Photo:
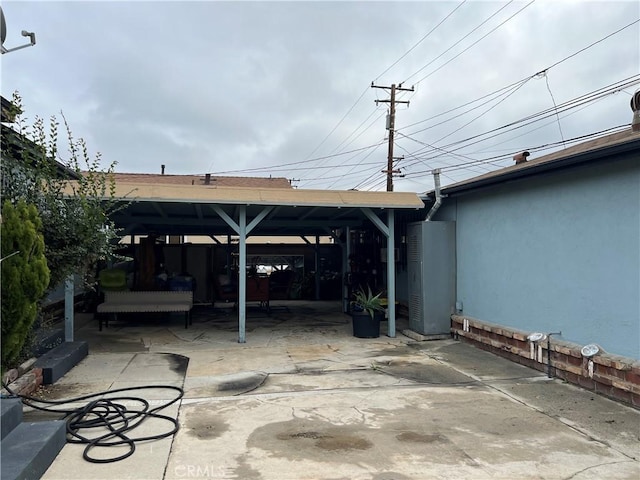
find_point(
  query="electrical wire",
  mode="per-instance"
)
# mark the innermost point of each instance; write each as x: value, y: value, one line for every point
x: 546, y: 79
x: 525, y: 79
x: 547, y: 146
x: 519, y: 84
x: 422, y: 40
x: 367, y: 88
x: 451, y: 110
x: 477, y: 41
x: 299, y: 162
x: 108, y: 414
x: 587, y: 98
x: 458, y: 42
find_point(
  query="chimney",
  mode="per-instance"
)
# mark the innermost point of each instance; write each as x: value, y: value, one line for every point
x: 207, y: 179
x: 161, y: 169
x: 635, y: 106
x: 521, y: 157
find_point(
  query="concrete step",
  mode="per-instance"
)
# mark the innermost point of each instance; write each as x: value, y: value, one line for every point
x: 28, y: 451
x: 60, y: 360
x: 10, y: 416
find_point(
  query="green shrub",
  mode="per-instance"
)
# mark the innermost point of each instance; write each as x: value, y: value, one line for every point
x: 25, y: 275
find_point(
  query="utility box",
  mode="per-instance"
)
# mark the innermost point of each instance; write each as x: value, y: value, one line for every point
x: 431, y: 262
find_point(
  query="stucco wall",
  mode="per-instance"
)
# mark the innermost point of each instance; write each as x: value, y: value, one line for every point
x: 555, y: 253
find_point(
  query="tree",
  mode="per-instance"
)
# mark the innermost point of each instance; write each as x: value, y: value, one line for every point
x: 75, y: 214
x: 25, y: 275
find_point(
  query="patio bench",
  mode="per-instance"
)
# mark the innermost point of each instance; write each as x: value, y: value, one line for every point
x: 146, y: 302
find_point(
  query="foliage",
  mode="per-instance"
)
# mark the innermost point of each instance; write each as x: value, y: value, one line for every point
x: 367, y: 301
x: 25, y: 275
x: 75, y: 214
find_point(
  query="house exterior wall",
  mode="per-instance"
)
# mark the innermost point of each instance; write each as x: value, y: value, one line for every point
x: 558, y: 252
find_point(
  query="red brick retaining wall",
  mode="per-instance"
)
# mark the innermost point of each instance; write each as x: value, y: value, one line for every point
x: 610, y: 375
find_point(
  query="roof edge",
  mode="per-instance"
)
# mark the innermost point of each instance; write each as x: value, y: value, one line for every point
x: 529, y: 170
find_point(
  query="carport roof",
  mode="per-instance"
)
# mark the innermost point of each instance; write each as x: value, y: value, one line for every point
x: 265, y: 196
x: 191, y: 209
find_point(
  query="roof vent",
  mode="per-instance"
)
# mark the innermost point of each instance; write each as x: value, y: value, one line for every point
x: 521, y: 157
x: 635, y: 106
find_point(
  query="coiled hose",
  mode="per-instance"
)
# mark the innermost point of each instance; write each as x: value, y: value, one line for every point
x: 108, y: 413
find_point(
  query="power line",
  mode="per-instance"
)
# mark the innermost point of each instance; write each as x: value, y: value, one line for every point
x: 385, y: 71
x: 356, y: 137
x: 546, y: 79
x: 592, y: 44
x: 269, y: 167
x: 352, y: 168
x: 525, y: 79
x: 528, y: 120
x: 477, y: 41
x: 461, y: 166
x: 422, y: 40
x: 459, y: 41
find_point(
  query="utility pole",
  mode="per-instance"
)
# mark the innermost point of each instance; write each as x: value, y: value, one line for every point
x: 391, y: 126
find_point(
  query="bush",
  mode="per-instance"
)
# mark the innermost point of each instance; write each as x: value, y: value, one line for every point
x: 25, y: 275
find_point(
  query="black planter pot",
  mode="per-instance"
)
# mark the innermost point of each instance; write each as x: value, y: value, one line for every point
x: 366, y: 327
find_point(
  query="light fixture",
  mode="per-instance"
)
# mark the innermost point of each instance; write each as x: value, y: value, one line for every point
x: 536, y: 337
x: 590, y: 350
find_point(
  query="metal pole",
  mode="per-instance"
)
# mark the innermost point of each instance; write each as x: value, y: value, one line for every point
x: 242, y: 274
x: 391, y: 274
x: 68, y: 308
x: 317, y: 256
x: 346, y: 253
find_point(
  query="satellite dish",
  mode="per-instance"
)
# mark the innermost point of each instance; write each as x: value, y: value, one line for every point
x: 536, y: 337
x: 3, y: 26
x: 635, y: 99
x: 590, y: 350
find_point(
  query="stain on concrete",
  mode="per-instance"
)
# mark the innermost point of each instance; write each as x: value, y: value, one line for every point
x: 243, y: 383
x: 244, y: 470
x: 425, y: 373
x: 390, y: 476
x: 400, y: 351
x: 330, y: 440
x: 343, y: 443
x: 419, y: 438
x: 204, y: 424
x: 178, y: 363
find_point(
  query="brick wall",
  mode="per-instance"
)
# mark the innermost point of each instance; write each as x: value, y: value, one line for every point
x: 610, y: 375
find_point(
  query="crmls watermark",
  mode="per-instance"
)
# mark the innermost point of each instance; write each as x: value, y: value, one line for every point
x: 201, y: 471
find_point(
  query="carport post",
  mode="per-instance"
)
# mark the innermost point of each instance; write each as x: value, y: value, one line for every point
x: 242, y: 274
x: 68, y: 308
x: 389, y: 232
x: 346, y: 254
x: 317, y: 278
x: 391, y: 274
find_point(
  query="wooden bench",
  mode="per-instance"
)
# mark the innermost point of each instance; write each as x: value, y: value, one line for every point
x: 146, y: 302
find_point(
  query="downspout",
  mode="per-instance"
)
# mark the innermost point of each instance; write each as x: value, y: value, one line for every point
x: 438, y: 202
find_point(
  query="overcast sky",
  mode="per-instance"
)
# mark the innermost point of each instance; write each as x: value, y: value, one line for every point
x: 283, y: 88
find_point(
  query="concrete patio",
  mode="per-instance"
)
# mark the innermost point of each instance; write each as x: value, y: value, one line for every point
x: 304, y: 399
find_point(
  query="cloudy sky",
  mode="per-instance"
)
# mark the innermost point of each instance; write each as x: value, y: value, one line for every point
x: 283, y: 88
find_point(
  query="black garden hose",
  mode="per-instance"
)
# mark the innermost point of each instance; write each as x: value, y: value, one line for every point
x: 108, y: 413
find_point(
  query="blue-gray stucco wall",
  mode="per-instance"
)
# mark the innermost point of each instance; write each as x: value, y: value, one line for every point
x: 559, y: 252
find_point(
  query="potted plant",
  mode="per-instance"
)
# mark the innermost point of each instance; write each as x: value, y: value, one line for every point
x: 366, y: 313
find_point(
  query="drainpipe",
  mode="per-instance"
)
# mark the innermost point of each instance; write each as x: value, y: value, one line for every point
x: 436, y: 205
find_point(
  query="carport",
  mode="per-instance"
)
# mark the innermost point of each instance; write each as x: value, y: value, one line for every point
x: 213, y: 211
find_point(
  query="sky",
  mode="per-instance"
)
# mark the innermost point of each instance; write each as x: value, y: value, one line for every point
x: 283, y: 89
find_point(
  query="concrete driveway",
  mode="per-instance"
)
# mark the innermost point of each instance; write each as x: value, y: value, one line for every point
x: 304, y: 399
